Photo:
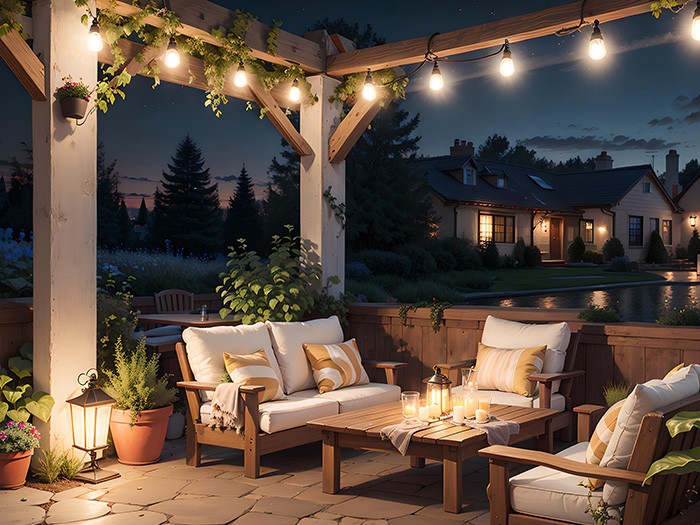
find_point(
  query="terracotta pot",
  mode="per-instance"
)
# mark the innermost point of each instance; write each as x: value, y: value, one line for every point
x: 73, y: 107
x: 142, y: 443
x: 176, y: 426
x: 13, y: 469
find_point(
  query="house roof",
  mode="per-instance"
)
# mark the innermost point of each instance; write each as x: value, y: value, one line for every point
x: 685, y: 189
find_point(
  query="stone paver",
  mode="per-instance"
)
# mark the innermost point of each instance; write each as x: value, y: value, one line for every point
x: 287, y: 507
x: 145, y: 491
x: 317, y: 495
x: 419, y: 520
x: 71, y: 493
x: 305, y: 479
x: 22, y: 515
x: 203, y: 511
x: 24, y: 496
x: 256, y: 518
x: 119, y: 508
x: 218, y: 487
x: 317, y: 521
x: 69, y: 510
x: 279, y: 489
x: 374, y: 508
x: 128, y: 518
x: 184, y: 472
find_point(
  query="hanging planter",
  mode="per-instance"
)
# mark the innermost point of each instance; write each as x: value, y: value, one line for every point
x: 73, y: 98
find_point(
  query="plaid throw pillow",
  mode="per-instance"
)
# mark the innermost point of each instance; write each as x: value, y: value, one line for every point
x: 254, y: 370
x: 336, y: 366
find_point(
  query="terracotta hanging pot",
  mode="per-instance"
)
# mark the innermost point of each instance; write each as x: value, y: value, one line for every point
x: 73, y: 107
x: 142, y: 443
x: 14, y: 467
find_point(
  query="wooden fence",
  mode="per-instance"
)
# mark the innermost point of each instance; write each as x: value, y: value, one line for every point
x: 15, y: 328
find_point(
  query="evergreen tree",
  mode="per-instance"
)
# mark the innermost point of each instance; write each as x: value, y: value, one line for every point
x: 281, y: 203
x: 243, y: 215
x: 186, y: 212
x: 125, y: 234
x: 687, y: 174
x: 142, y: 217
x: 108, y: 199
x: 694, y: 246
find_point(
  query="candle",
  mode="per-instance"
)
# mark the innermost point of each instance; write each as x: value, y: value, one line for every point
x: 470, y: 406
x: 458, y: 413
x: 484, y: 403
x: 424, y: 413
x: 435, y: 411
x: 482, y: 415
x: 409, y: 411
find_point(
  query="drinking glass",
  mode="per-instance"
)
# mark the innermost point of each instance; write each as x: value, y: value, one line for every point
x: 409, y: 404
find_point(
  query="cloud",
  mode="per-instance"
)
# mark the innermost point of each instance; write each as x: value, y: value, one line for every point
x: 679, y: 101
x: 590, y: 142
x: 229, y: 178
x: 592, y: 128
x: 137, y: 195
x: 693, y: 118
x: 140, y: 179
x: 664, y: 121
x: 682, y: 102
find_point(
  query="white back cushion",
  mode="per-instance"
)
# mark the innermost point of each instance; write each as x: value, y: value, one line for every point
x: 649, y: 397
x: 206, y: 347
x: 500, y: 333
x: 288, y: 343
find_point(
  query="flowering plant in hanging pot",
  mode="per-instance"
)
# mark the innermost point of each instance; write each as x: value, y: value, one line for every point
x: 73, y: 97
x: 18, y: 439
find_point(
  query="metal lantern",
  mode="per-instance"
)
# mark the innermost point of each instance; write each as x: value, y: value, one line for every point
x: 438, y: 394
x: 90, y: 413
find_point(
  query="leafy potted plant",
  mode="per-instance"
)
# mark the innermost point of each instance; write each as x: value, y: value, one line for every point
x: 18, y: 439
x: 143, y: 405
x: 73, y: 97
x: 18, y: 400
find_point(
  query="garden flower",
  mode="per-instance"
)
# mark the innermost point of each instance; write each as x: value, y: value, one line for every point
x: 10, y: 424
x: 2, y: 436
x: 20, y: 425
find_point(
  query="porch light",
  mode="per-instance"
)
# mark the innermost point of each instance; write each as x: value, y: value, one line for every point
x: 507, y: 65
x: 369, y: 92
x: 596, y: 48
x: 294, y: 91
x: 693, y: 220
x: 172, y: 55
x: 94, y: 41
x: 695, y: 31
x: 90, y: 413
x: 436, y: 81
x: 438, y: 395
x: 241, y: 78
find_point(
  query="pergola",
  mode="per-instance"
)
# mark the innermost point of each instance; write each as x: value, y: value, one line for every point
x: 65, y: 154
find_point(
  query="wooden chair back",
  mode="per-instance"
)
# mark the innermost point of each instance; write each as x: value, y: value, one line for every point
x: 174, y: 300
x: 569, y: 363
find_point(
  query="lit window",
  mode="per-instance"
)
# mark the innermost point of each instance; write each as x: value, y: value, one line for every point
x: 646, y: 187
x: 468, y: 176
x: 501, y: 183
x: 667, y: 232
x: 586, y: 230
x: 636, y: 237
x: 496, y: 228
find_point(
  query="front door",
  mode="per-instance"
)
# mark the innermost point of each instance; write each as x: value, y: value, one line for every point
x: 555, y: 239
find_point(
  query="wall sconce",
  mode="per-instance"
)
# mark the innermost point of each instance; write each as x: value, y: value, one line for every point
x: 693, y: 220
x: 90, y: 413
x: 602, y: 229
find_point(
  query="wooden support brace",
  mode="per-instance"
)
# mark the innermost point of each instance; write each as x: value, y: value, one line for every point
x: 22, y: 61
x: 137, y: 62
x: 352, y: 127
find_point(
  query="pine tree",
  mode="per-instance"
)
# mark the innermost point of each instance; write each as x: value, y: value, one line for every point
x: 281, y: 203
x: 125, y: 233
x: 243, y: 215
x: 108, y: 198
x: 142, y: 217
x: 186, y: 212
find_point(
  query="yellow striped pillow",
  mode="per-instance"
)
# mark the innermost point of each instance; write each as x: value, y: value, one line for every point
x: 600, y: 439
x: 674, y: 370
x: 254, y: 370
x: 336, y: 366
x: 507, y: 370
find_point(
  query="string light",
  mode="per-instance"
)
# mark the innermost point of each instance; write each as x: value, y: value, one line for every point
x: 369, y: 91
x: 695, y: 31
x: 240, y: 78
x: 94, y: 41
x: 436, y: 81
x: 507, y: 65
x: 294, y: 91
x: 172, y: 55
x: 596, y: 48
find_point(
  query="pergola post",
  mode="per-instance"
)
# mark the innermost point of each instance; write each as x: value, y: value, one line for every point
x: 64, y: 218
x: 319, y: 224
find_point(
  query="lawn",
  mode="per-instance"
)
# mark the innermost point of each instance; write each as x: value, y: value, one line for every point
x: 545, y: 278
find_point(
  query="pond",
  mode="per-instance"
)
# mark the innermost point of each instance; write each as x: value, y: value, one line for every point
x: 635, y: 303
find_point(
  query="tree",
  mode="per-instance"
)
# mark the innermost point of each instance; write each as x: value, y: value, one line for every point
x: 281, y: 203
x: 656, y: 251
x: 576, y: 250
x: 497, y: 147
x: 186, y: 213
x: 243, y: 215
x: 687, y: 174
x: 575, y: 164
x: 108, y: 199
x: 18, y: 210
x: 142, y: 217
x: 125, y: 232
x: 494, y: 147
x: 694, y: 247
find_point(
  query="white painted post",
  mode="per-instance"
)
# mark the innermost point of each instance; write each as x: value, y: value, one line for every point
x: 318, y: 222
x: 64, y: 218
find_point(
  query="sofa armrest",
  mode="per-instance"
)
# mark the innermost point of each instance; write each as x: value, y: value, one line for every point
x: 588, y: 417
x: 390, y: 368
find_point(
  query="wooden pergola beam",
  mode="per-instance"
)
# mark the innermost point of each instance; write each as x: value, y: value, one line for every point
x: 134, y: 66
x: 199, y: 17
x: 515, y: 29
x: 352, y: 127
x: 22, y: 61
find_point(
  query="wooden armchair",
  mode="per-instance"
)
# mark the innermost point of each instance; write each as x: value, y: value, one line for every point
x: 660, y: 501
x: 174, y: 300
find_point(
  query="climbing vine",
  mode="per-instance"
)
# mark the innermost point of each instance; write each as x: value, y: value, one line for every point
x: 337, y: 209
x: 9, y: 9
x: 437, y: 311
x: 674, y: 5
x: 352, y: 84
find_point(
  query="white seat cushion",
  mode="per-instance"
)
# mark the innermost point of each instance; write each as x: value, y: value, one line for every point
x: 292, y: 412
x: 206, y: 347
x: 548, y: 493
x: 288, y: 343
x: 509, y: 398
x: 500, y: 333
x: 358, y: 396
x: 159, y: 331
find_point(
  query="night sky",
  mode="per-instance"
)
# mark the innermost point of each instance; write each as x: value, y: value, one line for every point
x: 641, y: 100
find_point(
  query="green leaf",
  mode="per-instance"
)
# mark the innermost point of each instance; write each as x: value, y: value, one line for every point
x: 676, y: 462
x: 683, y: 422
x: 27, y: 351
x: 4, y: 407
x: 40, y: 405
x: 14, y: 395
x: 20, y: 414
x: 20, y: 367
x: 4, y: 380
x: 224, y: 312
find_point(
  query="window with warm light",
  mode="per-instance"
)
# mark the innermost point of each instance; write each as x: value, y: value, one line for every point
x: 667, y: 232
x: 636, y: 236
x: 497, y: 228
x: 586, y: 230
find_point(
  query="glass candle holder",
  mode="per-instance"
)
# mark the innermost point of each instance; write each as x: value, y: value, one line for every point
x: 410, y: 404
x: 483, y: 412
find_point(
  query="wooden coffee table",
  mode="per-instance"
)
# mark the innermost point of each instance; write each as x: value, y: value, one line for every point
x: 440, y: 441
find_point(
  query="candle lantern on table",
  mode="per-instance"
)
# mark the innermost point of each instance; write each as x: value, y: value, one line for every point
x: 438, y: 394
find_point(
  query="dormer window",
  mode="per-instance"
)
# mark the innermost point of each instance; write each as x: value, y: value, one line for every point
x: 469, y: 176
x: 501, y: 182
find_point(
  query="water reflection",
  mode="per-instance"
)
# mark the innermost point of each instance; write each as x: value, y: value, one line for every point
x: 635, y: 303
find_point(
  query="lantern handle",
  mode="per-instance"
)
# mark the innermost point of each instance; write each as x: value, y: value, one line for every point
x: 88, y: 377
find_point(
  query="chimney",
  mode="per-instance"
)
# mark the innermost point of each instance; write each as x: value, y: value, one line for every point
x: 603, y: 161
x: 671, y: 180
x: 462, y: 148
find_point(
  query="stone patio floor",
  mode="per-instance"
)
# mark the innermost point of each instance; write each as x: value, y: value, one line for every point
x: 377, y: 489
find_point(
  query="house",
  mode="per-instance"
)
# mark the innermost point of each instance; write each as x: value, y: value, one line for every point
x: 486, y: 200
x: 689, y: 201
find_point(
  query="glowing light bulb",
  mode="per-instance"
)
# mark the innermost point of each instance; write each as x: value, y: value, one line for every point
x: 695, y: 30
x: 172, y: 55
x: 240, y: 78
x: 507, y: 64
x: 596, y: 48
x: 436, y: 81
x: 294, y: 91
x: 369, y: 92
x: 94, y: 41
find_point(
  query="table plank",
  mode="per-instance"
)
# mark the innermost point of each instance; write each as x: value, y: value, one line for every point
x: 186, y: 319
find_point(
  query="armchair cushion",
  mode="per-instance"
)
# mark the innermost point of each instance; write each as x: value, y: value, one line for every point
x: 507, y: 370
x: 288, y: 340
x: 510, y: 334
x: 206, y: 347
x: 254, y: 369
x: 601, y: 438
x: 336, y: 366
x: 358, y: 396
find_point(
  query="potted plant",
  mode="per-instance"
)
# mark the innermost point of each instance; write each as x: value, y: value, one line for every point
x: 18, y: 439
x: 143, y: 405
x: 73, y: 97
